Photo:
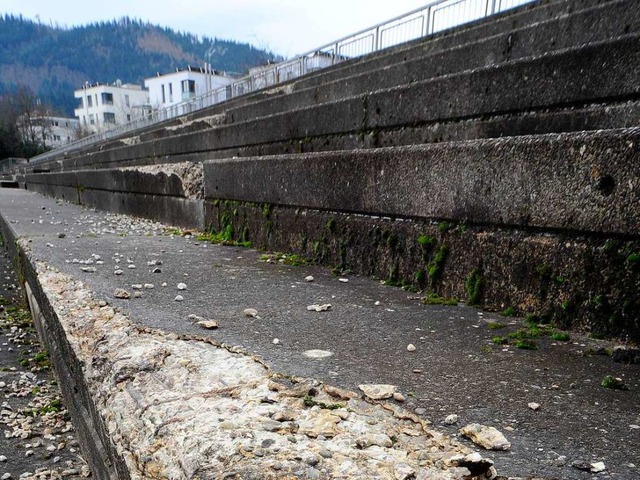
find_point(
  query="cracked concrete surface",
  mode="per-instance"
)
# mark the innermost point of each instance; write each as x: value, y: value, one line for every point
x: 183, y: 407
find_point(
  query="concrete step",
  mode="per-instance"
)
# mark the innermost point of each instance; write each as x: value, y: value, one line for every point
x: 601, y: 22
x: 528, y: 86
x: 530, y: 32
x: 597, y: 24
x: 571, y: 182
x: 503, y: 25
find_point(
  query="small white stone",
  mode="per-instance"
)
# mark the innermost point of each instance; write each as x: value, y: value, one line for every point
x: 378, y: 391
x: 132, y: 266
x: 411, y: 347
x: 451, y: 419
x: 208, y: 324
x: 319, y: 308
x: 250, y: 312
x: 377, y: 303
x: 28, y: 453
x: 309, y: 278
x: 149, y: 286
x: 137, y: 286
x: 3, y: 458
x: 182, y: 286
x: 137, y: 294
x: 598, y: 467
x: 533, y: 406
x: 317, y: 353
x: 179, y: 298
x: 164, y: 284
x: 118, y: 272
x: 6, y: 476
x: 398, y: 397
x: 276, y: 341
x: 343, y: 280
x: 121, y: 293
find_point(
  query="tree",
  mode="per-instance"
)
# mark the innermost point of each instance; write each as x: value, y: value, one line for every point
x: 23, y: 125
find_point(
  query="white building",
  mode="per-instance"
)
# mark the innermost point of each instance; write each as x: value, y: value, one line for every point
x: 169, y: 89
x: 104, y: 106
x: 56, y: 131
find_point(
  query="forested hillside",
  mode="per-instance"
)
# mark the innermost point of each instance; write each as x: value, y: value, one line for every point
x: 54, y: 61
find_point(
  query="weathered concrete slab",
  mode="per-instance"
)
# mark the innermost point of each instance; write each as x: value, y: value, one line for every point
x: 584, y: 181
x: 528, y: 85
x: 605, y: 22
x: 170, y: 193
x: 153, y: 375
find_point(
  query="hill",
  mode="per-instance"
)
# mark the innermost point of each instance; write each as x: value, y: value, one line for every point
x: 54, y: 61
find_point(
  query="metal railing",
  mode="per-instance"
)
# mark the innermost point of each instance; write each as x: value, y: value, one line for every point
x: 434, y: 17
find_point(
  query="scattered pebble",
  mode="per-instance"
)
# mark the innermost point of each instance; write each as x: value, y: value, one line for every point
x: 250, y: 312
x: 317, y: 353
x: 182, y: 286
x: 208, y: 324
x: 398, y: 397
x: 179, y: 298
x: 137, y: 294
x: 319, y: 308
x: 276, y: 341
x: 377, y: 303
x: 343, y: 280
x: 309, y: 278
x: 121, y: 293
x: 149, y: 286
x: 378, y: 391
x: 118, y: 272
x: 487, y: 437
x: 597, y: 467
x: 411, y: 347
x: 451, y: 419
x: 137, y: 286
x: 534, y: 406
x: 131, y: 266
x: 89, y: 269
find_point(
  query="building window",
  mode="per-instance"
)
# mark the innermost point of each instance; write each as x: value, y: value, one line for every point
x: 89, y: 101
x: 171, y: 92
x: 92, y: 119
x: 188, y: 86
x: 128, y: 117
x: 126, y: 100
x: 109, y: 117
x: 81, y: 103
x: 107, y: 98
x: 188, y: 89
x: 164, y: 98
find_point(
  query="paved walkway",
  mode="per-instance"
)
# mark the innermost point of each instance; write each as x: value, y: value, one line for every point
x: 454, y: 369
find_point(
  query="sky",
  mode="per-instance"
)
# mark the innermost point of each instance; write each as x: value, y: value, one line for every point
x: 286, y: 27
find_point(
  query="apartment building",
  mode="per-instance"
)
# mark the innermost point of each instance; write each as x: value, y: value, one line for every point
x: 102, y: 106
x: 170, y: 89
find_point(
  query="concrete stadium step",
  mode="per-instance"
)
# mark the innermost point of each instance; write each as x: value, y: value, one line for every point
x: 544, y: 181
x: 520, y: 19
x: 503, y: 47
x: 598, y: 23
x: 155, y: 395
x: 606, y: 72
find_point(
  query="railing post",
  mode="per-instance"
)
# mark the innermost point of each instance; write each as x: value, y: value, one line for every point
x: 377, y: 40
